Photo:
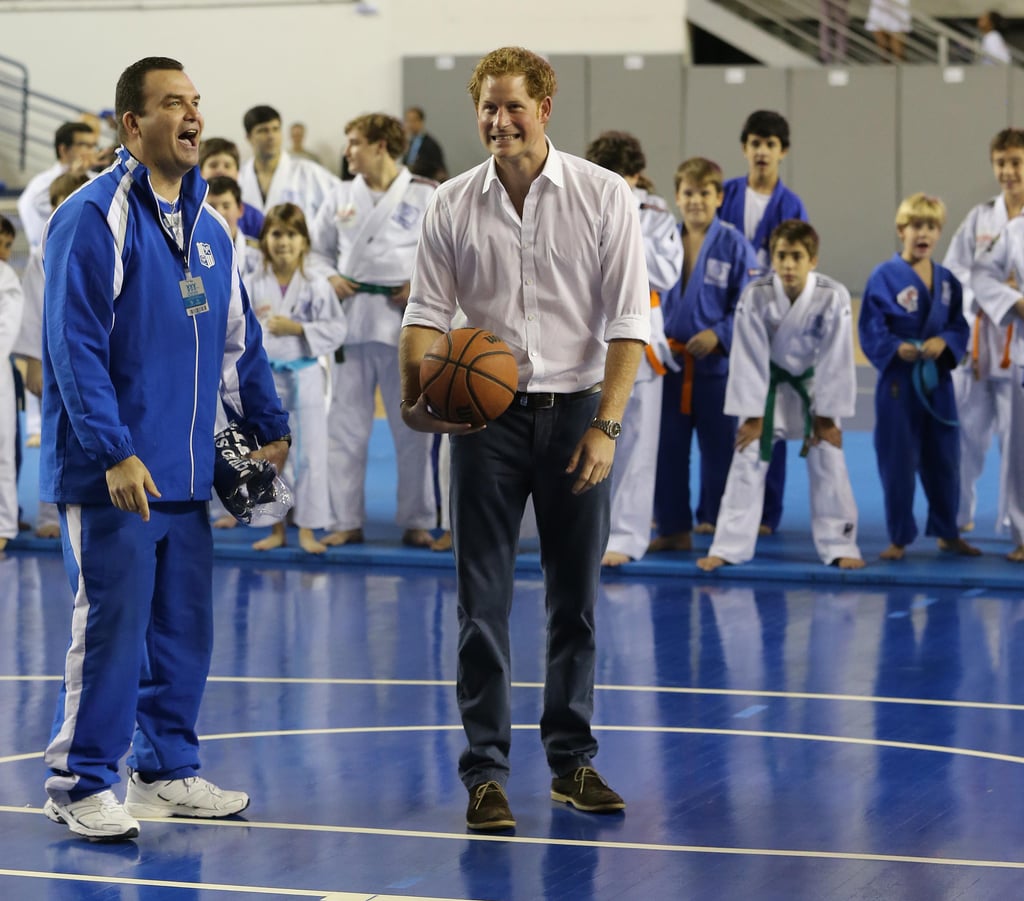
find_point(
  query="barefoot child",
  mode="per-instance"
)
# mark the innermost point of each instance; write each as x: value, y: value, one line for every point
x: 913, y: 331
x: 302, y: 320
x: 698, y: 312
x: 791, y: 375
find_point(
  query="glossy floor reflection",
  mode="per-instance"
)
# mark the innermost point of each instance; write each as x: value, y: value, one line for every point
x: 784, y: 742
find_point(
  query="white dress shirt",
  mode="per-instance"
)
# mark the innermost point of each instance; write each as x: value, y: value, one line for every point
x: 556, y: 285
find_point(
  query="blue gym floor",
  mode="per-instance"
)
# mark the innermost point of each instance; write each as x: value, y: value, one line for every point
x: 779, y: 730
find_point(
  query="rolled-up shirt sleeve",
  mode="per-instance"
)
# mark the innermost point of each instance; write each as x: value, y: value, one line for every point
x: 433, y: 289
x: 625, y: 289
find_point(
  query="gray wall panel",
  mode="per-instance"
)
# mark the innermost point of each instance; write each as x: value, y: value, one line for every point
x: 438, y: 84
x: 715, y: 109
x: 944, y: 133
x: 568, y: 127
x: 642, y: 95
x: 1015, y: 111
x: 842, y: 164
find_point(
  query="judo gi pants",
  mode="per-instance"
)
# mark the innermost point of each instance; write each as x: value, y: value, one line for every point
x: 833, y: 509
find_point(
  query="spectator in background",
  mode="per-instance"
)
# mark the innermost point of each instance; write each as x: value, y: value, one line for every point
x: 993, y: 46
x: 107, y: 138
x: 274, y: 176
x: 424, y: 156
x: 75, y: 144
x: 889, y: 23
x: 832, y: 25
x: 297, y: 133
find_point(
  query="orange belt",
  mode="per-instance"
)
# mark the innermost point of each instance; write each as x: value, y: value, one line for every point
x: 686, y: 396
x: 1004, y: 363
x: 652, y: 357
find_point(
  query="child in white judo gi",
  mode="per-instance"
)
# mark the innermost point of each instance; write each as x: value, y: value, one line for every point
x: 10, y: 321
x: 791, y: 375
x: 28, y: 347
x: 302, y: 321
x: 986, y: 379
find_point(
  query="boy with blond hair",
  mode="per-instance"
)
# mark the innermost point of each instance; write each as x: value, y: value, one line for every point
x: 791, y: 375
x: 913, y: 331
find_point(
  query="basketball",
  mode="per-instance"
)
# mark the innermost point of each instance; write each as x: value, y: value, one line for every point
x: 469, y: 375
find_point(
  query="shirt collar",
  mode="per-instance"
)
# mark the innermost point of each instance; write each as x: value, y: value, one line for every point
x: 553, y: 170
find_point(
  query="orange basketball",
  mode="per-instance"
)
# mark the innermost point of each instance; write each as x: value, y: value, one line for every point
x: 469, y: 375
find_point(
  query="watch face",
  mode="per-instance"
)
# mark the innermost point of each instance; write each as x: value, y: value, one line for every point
x: 614, y: 429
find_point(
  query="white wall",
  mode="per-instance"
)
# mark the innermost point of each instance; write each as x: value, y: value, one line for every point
x: 322, y: 64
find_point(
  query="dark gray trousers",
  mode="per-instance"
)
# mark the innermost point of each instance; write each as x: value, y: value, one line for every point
x: 525, y: 453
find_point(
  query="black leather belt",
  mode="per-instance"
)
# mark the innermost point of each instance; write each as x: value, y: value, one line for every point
x: 542, y: 400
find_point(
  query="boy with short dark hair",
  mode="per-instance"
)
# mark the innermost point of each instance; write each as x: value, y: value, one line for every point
x: 7, y: 234
x: 756, y: 204
x: 698, y: 311
x: 219, y: 157
x: 913, y: 331
x: 791, y: 375
x: 987, y: 378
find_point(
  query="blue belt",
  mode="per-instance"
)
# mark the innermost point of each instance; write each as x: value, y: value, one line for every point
x: 292, y: 365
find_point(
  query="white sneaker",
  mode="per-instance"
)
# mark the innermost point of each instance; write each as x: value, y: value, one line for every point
x: 189, y: 797
x: 100, y: 817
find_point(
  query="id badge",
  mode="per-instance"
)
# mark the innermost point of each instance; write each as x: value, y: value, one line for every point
x: 194, y: 295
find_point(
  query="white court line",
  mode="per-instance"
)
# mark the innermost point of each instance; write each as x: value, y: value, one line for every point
x: 323, y: 895
x: 642, y: 689
x: 603, y: 727
x: 559, y: 842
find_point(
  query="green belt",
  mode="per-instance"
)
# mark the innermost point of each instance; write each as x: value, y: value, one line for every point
x: 780, y: 376
x: 367, y: 288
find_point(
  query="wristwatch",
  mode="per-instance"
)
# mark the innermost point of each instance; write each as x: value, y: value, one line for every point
x: 287, y: 439
x: 611, y: 427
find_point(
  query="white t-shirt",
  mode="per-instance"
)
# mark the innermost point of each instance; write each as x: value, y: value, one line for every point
x: 754, y: 206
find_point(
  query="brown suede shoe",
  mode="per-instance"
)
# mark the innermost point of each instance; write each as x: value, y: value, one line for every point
x: 488, y: 808
x: 585, y: 790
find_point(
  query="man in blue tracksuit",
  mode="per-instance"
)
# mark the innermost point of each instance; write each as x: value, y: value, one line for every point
x: 145, y: 324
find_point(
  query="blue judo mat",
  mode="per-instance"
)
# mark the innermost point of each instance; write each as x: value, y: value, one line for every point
x: 785, y: 556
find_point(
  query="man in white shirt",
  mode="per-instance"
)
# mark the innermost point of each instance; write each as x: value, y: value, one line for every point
x: 545, y: 250
x: 75, y: 145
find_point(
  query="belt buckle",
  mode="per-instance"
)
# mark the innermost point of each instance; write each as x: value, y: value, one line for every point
x: 543, y: 400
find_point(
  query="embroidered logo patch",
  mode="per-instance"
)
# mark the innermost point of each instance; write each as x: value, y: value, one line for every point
x: 406, y: 216
x: 716, y: 273
x: 205, y: 255
x: 907, y: 298
x: 817, y: 327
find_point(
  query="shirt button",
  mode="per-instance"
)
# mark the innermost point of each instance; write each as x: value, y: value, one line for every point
x: 531, y: 317
x: 529, y: 281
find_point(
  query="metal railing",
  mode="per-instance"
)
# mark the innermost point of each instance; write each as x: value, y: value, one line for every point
x: 928, y: 41
x: 28, y: 118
